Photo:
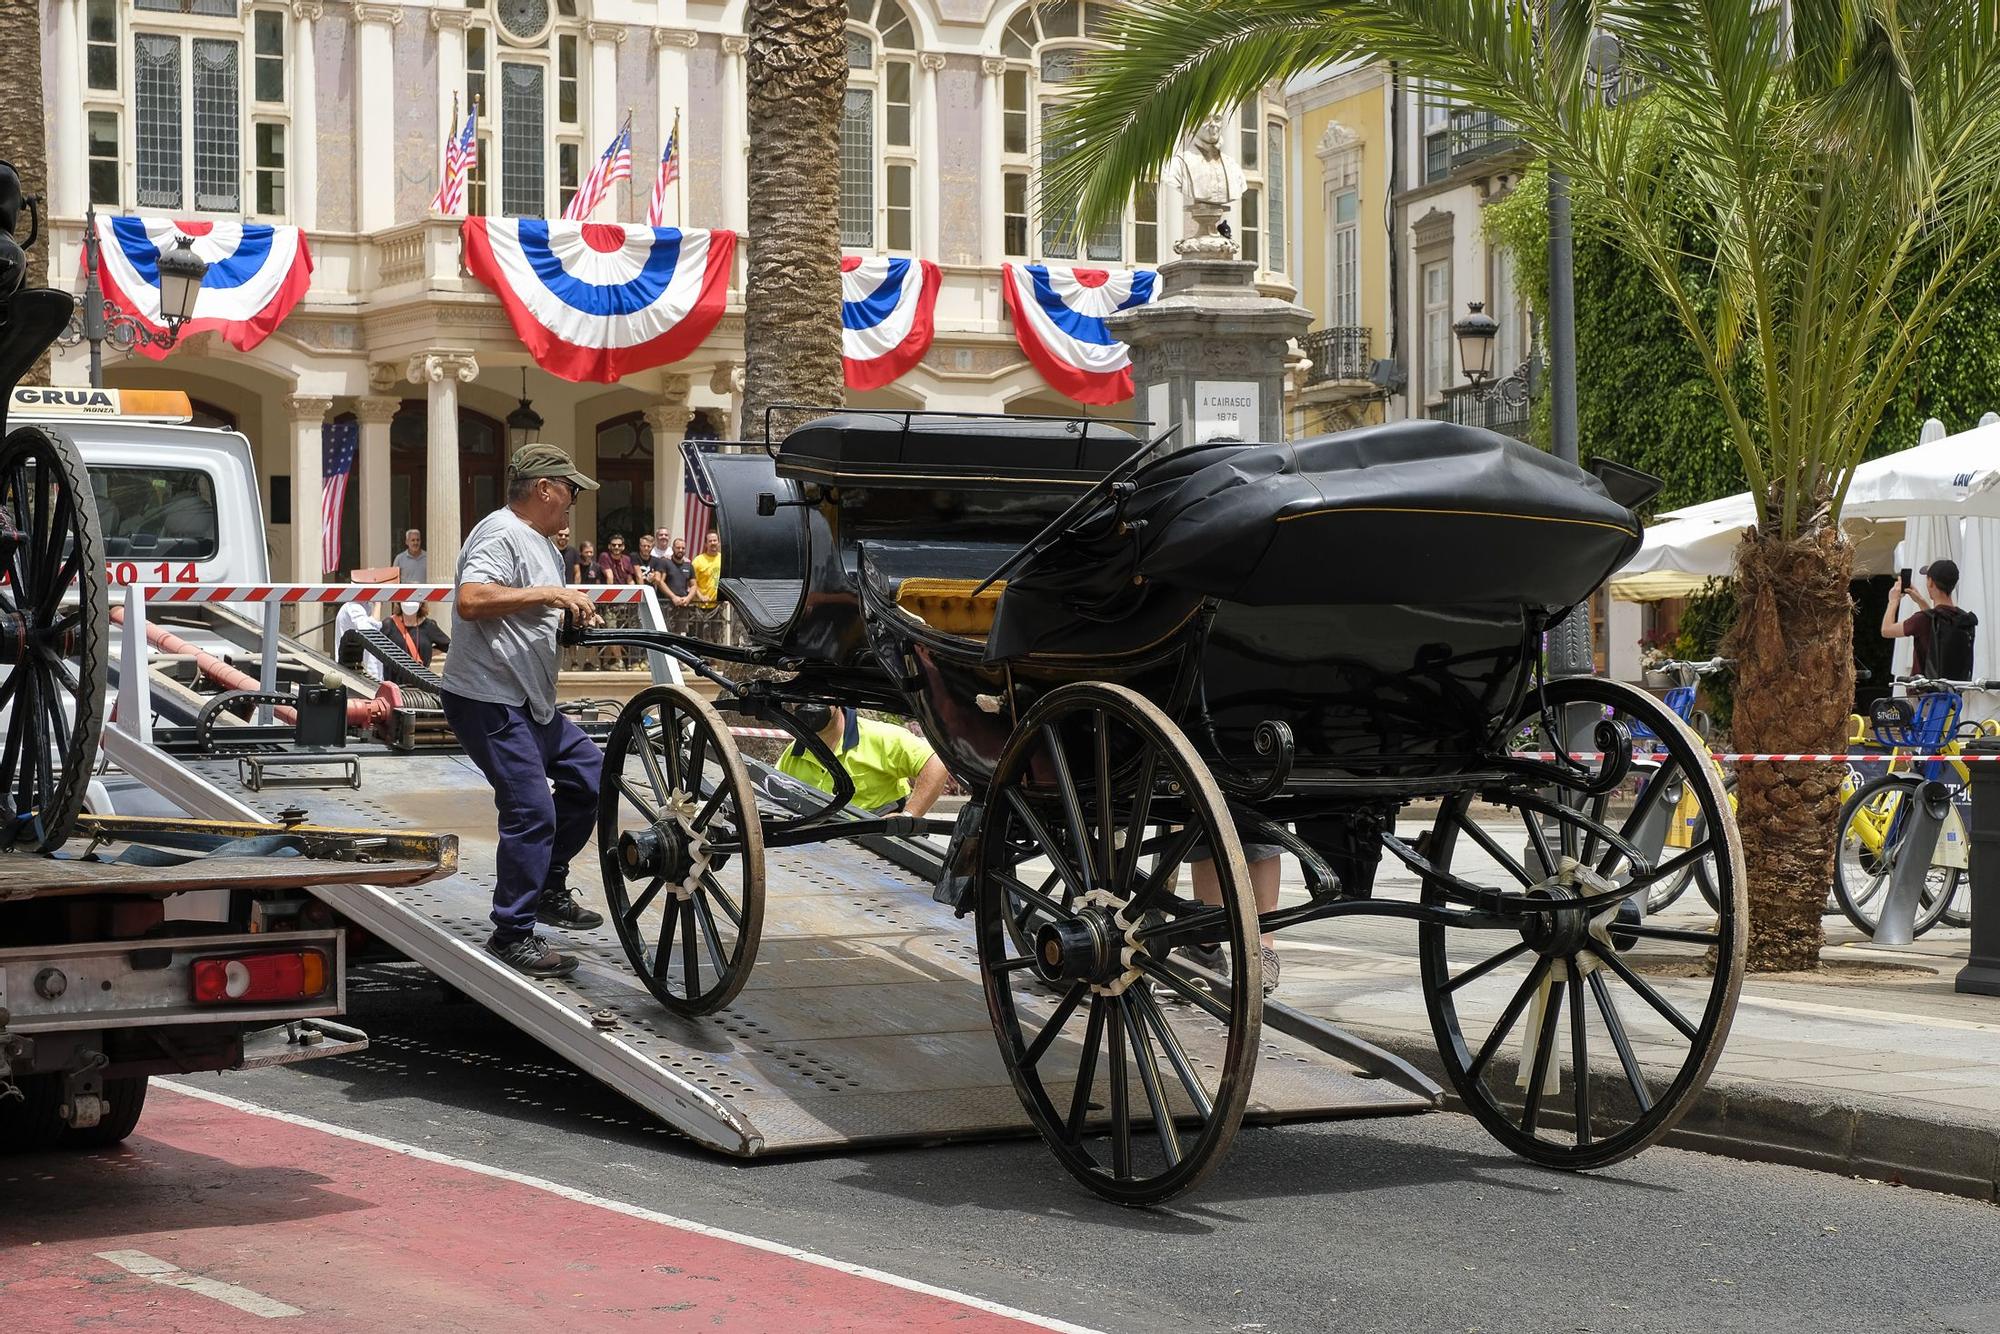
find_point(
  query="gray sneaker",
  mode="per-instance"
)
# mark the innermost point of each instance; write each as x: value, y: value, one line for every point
x: 1269, y: 956
x: 562, y: 908
x: 530, y: 955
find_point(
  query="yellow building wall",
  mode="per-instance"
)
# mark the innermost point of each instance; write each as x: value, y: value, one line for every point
x: 1365, y: 113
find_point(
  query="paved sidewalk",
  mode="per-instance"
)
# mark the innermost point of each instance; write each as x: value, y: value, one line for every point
x: 1874, y: 1068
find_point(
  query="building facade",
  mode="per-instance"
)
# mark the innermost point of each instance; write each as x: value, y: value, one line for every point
x: 331, y: 115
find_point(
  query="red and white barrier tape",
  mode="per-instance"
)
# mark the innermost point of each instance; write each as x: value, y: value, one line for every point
x: 777, y: 733
x: 1731, y: 757
x: 335, y: 593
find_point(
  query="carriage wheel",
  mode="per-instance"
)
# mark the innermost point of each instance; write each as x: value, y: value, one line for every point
x: 1575, y: 1038
x: 52, y: 648
x: 1137, y: 1067
x: 682, y: 850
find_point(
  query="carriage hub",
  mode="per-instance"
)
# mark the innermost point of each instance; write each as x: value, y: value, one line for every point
x: 1084, y: 948
x: 644, y: 854
x: 1564, y: 930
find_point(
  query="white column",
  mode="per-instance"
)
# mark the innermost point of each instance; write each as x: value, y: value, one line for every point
x: 670, y: 77
x: 735, y: 138
x: 441, y: 373
x: 929, y: 164
x: 450, y: 25
x: 308, y: 416
x: 68, y: 166
x: 301, y: 142
x: 605, y: 113
x: 992, y: 224
x: 378, y: 543
x: 669, y: 419
x: 374, y: 126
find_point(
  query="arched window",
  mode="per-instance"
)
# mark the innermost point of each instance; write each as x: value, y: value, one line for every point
x: 878, y: 129
x: 524, y: 68
x: 1045, y: 47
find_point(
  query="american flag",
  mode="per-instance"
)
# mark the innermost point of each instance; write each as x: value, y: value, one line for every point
x: 663, y: 179
x: 458, y: 156
x: 615, y: 165
x: 698, y: 512
x: 338, y: 444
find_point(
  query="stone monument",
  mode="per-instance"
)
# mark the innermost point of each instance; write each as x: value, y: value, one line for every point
x: 1210, y: 352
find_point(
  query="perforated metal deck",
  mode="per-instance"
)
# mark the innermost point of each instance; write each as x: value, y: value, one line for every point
x: 863, y: 1021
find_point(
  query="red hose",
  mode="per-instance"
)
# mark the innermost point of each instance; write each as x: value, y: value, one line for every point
x: 362, y: 713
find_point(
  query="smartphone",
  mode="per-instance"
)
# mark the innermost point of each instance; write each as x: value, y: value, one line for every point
x: 1904, y: 575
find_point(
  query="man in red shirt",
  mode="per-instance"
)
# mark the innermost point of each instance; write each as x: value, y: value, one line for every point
x: 617, y: 566
x: 1941, y: 631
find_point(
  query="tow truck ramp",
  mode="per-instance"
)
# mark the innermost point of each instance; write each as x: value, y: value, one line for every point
x: 863, y: 1021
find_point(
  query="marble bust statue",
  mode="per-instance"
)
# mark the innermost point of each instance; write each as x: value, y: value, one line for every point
x: 1210, y: 183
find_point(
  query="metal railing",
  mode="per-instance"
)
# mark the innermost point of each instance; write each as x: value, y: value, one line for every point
x: 1466, y: 406
x: 1478, y: 134
x: 1342, y: 353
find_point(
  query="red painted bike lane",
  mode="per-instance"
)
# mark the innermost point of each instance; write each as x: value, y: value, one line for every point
x: 212, y: 1217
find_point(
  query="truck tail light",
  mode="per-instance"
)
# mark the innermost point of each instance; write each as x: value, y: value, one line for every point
x: 286, y: 975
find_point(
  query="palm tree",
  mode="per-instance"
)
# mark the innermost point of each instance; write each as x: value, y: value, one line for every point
x: 797, y: 80
x: 1822, y: 152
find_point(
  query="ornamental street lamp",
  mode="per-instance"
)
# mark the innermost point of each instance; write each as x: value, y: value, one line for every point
x: 1476, y: 334
x: 524, y: 424
x: 97, y: 321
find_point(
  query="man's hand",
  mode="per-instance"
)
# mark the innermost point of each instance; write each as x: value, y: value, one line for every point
x: 574, y: 604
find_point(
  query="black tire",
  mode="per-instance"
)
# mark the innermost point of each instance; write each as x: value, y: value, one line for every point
x: 124, y: 1099
x: 1861, y: 875
x: 1704, y: 870
x: 53, y: 690
x: 676, y: 793
x: 1480, y: 980
x: 33, y: 1121
x: 1090, y: 763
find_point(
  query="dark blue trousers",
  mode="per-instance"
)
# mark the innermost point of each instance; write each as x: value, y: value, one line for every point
x: 540, y: 829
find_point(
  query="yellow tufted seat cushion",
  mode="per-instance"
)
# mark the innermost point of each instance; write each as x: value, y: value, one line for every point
x: 947, y: 605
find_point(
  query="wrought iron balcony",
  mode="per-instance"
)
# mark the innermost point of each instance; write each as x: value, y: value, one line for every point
x: 1339, y: 355
x: 1479, y: 134
x: 1506, y: 413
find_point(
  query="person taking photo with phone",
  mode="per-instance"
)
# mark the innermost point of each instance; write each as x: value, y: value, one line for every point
x: 1941, y: 631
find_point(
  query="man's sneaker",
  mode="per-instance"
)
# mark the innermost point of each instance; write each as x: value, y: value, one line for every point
x: 530, y: 955
x: 1271, y: 968
x: 1209, y: 958
x: 560, y: 908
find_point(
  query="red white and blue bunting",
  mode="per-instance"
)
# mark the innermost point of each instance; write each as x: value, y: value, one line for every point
x: 598, y: 300
x: 1059, y: 317
x: 888, y: 311
x: 256, y: 274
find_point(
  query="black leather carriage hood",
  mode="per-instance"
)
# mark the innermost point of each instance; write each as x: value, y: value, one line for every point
x: 1416, y: 512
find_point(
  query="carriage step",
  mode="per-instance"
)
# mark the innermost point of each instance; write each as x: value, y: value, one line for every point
x: 863, y: 1023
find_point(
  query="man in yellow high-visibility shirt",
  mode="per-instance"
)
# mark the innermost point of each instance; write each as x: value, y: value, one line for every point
x: 893, y: 769
x: 708, y: 571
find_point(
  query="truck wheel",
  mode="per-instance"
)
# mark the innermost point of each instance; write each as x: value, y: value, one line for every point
x: 32, y: 1121
x: 124, y: 1099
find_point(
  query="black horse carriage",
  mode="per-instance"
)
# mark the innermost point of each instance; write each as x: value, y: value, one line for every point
x: 1136, y: 668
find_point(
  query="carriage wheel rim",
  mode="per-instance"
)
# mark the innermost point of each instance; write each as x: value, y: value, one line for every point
x: 668, y: 808
x: 1116, y: 1012
x: 1516, y: 1071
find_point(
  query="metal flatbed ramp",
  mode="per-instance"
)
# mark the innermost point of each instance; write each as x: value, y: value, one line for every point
x: 863, y: 1021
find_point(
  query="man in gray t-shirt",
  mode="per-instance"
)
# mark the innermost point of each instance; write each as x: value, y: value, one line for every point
x: 413, y: 563
x: 500, y: 699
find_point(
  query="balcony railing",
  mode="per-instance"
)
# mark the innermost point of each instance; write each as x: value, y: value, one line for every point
x: 1506, y: 413
x: 1338, y: 354
x: 1479, y: 134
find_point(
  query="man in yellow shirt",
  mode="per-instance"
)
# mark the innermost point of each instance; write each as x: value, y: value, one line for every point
x: 892, y: 768
x: 708, y: 570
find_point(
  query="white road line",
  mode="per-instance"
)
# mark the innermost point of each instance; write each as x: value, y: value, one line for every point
x: 230, y: 1294
x: 631, y: 1210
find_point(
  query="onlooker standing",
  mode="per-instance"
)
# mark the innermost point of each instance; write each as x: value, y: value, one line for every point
x: 1941, y: 632
x: 584, y: 569
x: 413, y: 629
x: 673, y: 578
x: 616, y: 565
x: 413, y: 563
x: 707, y: 579
x: 568, y: 550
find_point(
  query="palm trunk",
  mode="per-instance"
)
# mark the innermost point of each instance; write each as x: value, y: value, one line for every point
x: 1794, y: 648
x: 24, y: 133
x: 791, y: 330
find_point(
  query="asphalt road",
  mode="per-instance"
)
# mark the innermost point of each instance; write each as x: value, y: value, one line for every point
x: 1410, y: 1224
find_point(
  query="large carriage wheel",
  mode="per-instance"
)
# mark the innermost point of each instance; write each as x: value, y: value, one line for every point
x: 1578, y: 1039
x: 682, y: 849
x: 1137, y: 1065
x: 52, y: 647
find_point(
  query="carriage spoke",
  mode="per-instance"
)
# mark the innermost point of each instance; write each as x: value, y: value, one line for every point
x: 663, y: 955
x: 1579, y: 1041
x: 1072, y: 805
x: 1540, y: 838
x: 649, y: 759
x: 1493, y: 849
x: 1142, y: 806
x: 1647, y: 994
x: 1479, y: 970
x: 721, y: 896
x: 1545, y: 1045
x: 1197, y: 1093
x: 1040, y: 833
x: 644, y: 901
x: 1598, y: 805
x: 1647, y: 931
x: 1053, y: 1029
x: 1149, y: 1078
x: 1620, y: 1042
x: 1121, y: 1094
x: 1107, y: 818
x: 1034, y: 898
x: 1170, y: 859
x: 1184, y: 988
x: 632, y: 795
x: 1671, y: 866
x: 709, y: 935
x: 1509, y: 1017
x: 1086, y: 1071
x: 690, y: 952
